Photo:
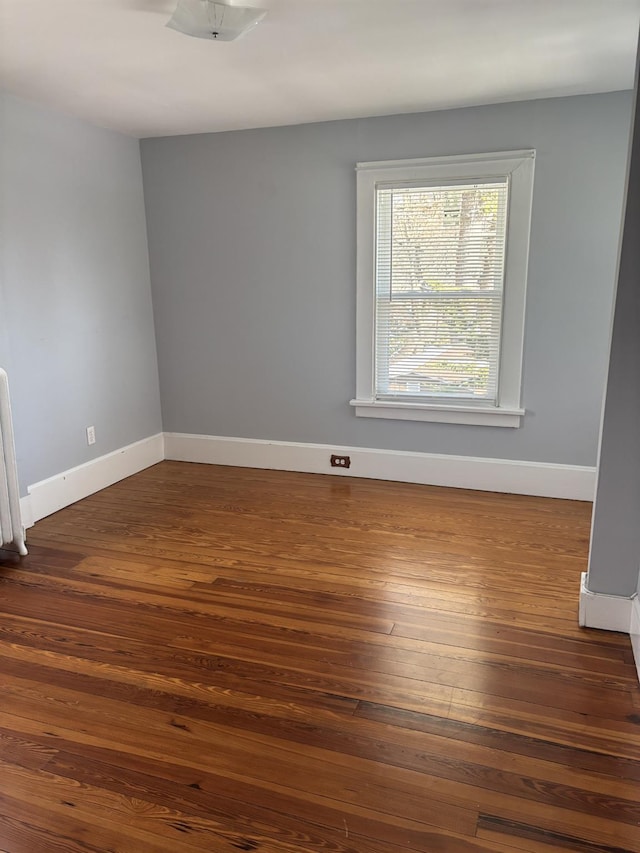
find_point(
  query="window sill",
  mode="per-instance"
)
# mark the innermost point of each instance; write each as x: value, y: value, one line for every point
x: 436, y: 413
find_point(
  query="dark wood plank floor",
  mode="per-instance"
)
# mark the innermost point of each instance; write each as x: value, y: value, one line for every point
x: 207, y: 658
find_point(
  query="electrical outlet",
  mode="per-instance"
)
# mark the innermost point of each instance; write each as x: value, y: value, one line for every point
x: 91, y: 435
x: 340, y: 461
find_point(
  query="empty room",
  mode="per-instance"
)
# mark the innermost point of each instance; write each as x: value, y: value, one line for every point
x: 319, y: 446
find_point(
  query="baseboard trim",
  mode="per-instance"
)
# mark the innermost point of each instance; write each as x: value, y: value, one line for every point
x: 635, y: 631
x: 608, y: 612
x: 50, y: 495
x: 611, y: 613
x: 466, y: 472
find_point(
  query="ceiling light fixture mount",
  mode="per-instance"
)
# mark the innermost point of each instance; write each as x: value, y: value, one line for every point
x: 207, y: 19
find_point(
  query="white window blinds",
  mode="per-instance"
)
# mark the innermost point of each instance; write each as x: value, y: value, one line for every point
x: 439, y: 268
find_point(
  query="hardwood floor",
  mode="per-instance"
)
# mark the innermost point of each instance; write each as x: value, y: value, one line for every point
x: 219, y: 659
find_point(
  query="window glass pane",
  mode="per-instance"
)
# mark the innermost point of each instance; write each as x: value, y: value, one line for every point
x: 442, y: 347
x: 440, y: 255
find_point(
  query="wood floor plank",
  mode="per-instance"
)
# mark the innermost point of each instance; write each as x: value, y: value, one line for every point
x: 534, y: 838
x: 597, y: 800
x: 209, y: 658
x: 563, y: 729
x: 57, y: 830
x: 529, y: 745
x: 213, y: 748
x: 565, y: 687
x: 317, y: 825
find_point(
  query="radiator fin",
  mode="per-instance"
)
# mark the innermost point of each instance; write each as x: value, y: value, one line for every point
x: 11, y: 529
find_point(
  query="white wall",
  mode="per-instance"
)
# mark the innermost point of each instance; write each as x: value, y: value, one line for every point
x: 76, y: 324
x: 252, y: 247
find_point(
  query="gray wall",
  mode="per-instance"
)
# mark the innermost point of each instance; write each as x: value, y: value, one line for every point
x: 252, y: 246
x: 615, y: 536
x: 4, y: 330
x: 76, y: 324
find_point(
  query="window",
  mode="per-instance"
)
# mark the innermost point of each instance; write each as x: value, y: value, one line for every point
x: 442, y: 263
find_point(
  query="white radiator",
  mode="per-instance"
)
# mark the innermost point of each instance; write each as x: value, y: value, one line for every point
x: 11, y: 529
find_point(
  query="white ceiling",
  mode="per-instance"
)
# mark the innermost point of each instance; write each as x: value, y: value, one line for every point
x: 113, y: 62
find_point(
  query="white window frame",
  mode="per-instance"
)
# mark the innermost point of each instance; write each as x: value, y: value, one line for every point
x: 518, y: 168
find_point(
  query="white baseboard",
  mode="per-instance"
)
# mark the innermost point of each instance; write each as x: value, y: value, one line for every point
x: 609, y: 612
x: 635, y: 630
x: 48, y: 496
x: 466, y: 472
